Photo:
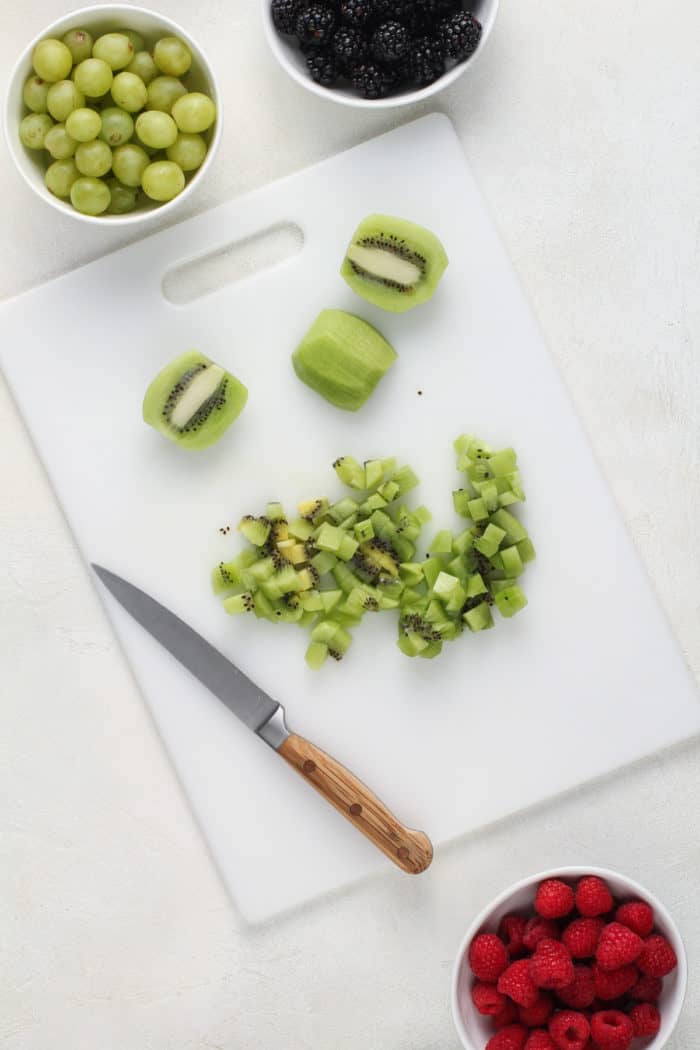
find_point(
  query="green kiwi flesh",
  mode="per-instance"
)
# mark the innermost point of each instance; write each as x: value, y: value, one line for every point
x: 393, y: 263
x: 342, y: 358
x: 193, y: 401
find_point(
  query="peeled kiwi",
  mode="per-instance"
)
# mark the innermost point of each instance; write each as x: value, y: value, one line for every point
x: 193, y: 400
x: 342, y: 358
x: 393, y: 263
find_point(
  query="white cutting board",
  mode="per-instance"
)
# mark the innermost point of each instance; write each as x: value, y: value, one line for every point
x: 587, y: 679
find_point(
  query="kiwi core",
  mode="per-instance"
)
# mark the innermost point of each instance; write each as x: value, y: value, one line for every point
x: 197, y: 388
x: 384, y: 265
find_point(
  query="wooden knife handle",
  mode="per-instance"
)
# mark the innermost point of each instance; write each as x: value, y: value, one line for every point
x: 411, y: 850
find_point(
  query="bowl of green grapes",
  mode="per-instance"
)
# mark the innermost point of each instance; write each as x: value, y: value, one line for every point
x: 113, y: 114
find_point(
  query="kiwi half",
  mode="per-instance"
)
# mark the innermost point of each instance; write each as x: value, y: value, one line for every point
x: 393, y: 263
x: 342, y: 358
x: 193, y: 401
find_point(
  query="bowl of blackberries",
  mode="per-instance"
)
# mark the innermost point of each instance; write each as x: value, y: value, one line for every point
x: 378, y: 53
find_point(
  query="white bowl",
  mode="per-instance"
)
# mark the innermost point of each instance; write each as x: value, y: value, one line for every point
x: 104, y: 18
x: 289, y: 56
x: 474, y: 1030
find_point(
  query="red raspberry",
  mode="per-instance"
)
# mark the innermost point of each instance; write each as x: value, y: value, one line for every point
x: 637, y: 916
x: 539, y: 1013
x: 581, y: 992
x: 517, y: 983
x: 611, y: 984
x: 511, y: 930
x: 581, y: 937
x: 593, y: 897
x: 569, y: 1030
x: 554, y: 899
x: 488, y: 957
x: 508, y: 1015
x: 487, y: 999
x: 617, y: 947
x: 540, y: 1040
x: 646, y: 1020
x: 537, y: 929
x: 513, y: 1037
x: 657, y: 958
x: 551, y: 965
x: 612, y: 1030
x: 647, y: 989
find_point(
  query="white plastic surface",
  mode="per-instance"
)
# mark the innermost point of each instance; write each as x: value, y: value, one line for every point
x: 589, y: 678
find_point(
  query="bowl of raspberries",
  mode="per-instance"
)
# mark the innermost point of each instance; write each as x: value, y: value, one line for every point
x: 377, y: 52
x: 574, y: 959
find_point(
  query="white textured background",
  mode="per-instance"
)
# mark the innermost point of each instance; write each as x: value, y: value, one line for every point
x: 581, y: 123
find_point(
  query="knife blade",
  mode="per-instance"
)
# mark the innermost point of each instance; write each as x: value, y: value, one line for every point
x: 410, y: 850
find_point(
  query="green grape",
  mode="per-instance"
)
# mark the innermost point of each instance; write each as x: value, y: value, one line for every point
x: 93, y: 158
x: 117, y: 126
x: 115, y: 49
x: 163, y: 92
x: 63, y: 98
x: 155, y: 129
x: 93, y: 77
x: 52, y: 60
x: 162, y: 180
x: 137, y: 41
x: 60, y: 176
x: 79, y: 43
x: 90, y: 196
x: 59, y: 143
x: 129, y: 92
x: 129, y: 163
x: 172, y: 56
x: 84, y: 124
x: 143, y: 66
x: 194, y: 112
x: 35, y: 94
x: 187, y: 151
x: 34, y: 129
x: 122, y: 198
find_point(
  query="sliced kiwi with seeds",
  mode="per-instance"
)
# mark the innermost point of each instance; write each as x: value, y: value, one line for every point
x: 342, y: 358
x: 193, y: 401
x: 393, y: 263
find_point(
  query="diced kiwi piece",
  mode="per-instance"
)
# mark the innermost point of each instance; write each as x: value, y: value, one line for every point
x: 343, y: 509
x: 410, y: 596
x: 374, y: 473
x: 463, y: 542
x: 364, y: 530
x: 275, y: 512
x: 313, y: 509
x: 476, y: 585
x: 316, y: 655
x: 431, y: 650
x: 445, y: 586
x: 239, y: 603
x: 378, y: 558
x: 411, y: 573
x: 456, y: 600
x: 489, y: 494
x: 502, y: 463
x: 193, y: 401
x: 514, y: 530
x: 262, y: 569
x: 311, y: 601
x: 442, y: 544
x: 383, y: 526
x: 489, y: 542
x: 350, y: 472
x: 458, y: 567
x: 225, y: 576
x: 434, y: 612
x: 345, y: 578
x: 431, y: 570
x: 460, y: 499
x: 406, y: 479
x: 323, y: 562
x: 372, y: 503
x: 393, y: 263
x: 328, y: 538
x: 499, y: 585
x: 512, y: 562
x: 507, y: 498
x: 479, y: 618
x: 390, y: 586
x: 510, y: 600
x: 403, y: 547
x: 263, y: 607
x: 423, y: 515
x: 411, y: 643
x: 255, y: 530
x: 347, y: 548
x: 388, y: 491
x: 526, y: 550
x: 342, y: 358
x: 307, y: 578
x: 330, y: 599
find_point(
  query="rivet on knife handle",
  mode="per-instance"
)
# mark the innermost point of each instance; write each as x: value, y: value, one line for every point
x: 411, y: 850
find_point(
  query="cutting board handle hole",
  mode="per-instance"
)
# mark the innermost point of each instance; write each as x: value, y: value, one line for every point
x: 233, y: 262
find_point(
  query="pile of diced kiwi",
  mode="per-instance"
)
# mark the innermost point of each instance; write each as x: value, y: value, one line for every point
x: 335, y: 562
x: 114, y: 119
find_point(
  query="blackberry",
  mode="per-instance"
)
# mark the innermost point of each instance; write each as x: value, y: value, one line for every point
x: 390, y: 42
x: 284, y: 15
x: 357, y: 13
x: 323, y: 68
x: 315, y: 25
x: 460, y: 35
x: 372, y: 81
x: 426, y: 61
x: 393, y: 10
x: 349, y: 47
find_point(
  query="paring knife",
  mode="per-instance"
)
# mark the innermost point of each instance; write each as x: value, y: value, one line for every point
x: 411, y: 850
